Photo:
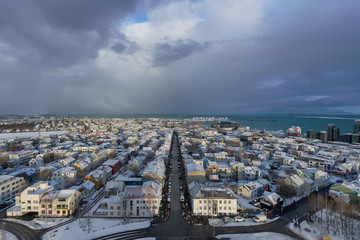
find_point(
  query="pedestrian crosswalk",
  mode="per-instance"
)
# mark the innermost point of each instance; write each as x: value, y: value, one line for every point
x: 285, y: 219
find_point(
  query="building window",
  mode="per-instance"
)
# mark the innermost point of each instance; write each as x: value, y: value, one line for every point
x: 111, y: 207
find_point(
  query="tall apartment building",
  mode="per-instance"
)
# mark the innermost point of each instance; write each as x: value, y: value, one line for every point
x: 322, y: 135
x: 357, y: 126
x: 10, y: 186
x: 333, y: 133
x: 311, y: 134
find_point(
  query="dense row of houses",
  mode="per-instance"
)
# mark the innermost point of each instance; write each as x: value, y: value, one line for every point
x: 268, y: 167
x: 229, y: 169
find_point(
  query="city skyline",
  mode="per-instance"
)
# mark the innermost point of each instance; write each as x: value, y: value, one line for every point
x: 159, y: 57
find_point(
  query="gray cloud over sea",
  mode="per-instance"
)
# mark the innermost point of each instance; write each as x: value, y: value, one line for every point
x: 209, y: 56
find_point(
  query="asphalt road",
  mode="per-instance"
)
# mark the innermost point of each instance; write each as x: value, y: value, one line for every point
x: 21, y: 231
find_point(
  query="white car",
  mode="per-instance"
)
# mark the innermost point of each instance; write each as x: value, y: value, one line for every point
x: 239, y: 219
x: 260, y: 218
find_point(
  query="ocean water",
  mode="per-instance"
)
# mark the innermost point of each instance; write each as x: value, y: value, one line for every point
x: 262, y: 121
x: 282, y: 122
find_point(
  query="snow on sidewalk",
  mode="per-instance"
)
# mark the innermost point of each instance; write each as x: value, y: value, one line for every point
x: 98, y: 227
x: 255, y: 236
x: 218, y: 222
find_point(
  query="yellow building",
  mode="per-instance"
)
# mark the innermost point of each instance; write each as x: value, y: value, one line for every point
x: 96, y: 177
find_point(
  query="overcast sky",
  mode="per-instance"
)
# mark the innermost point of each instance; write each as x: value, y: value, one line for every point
x: 225, y: 56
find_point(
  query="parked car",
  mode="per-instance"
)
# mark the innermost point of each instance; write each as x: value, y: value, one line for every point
x: 239, y: 219
x: 260, y: 218
x: 226, y: 219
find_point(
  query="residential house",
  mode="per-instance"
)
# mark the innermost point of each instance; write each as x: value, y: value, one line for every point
x: 212, y: 169
x: 155, y: 170
x: 321, y: 179
x: 115, y: 165
x: 224, y: 171
x: 67, y: 161
x: 250, y: 190
x: 195, y: 172
x: 271, y: 201
x: 65, y: 177
x: 36, y: 162
x: 66, y: 202
x: 89, y: 187
x: 296, y: 183
x: 97, y: 177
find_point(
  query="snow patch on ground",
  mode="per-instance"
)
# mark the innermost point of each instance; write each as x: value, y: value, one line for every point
x: 255, y: 236
x: 248, y: 222
x: 30, y: 134
x: 313, y: 235
x: 7, y: 235
x: 313, y: 231
x: 98, y: 227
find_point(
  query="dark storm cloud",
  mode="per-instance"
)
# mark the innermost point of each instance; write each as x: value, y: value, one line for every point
x: 60, y: 32
x: 167, y: 52
x: 303, y: 46
x: 84, y: 57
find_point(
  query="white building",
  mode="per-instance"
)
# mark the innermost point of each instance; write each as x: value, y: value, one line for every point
x: 10, y: 186
x: 36, y: 162
x: 213, y: 201
x: 142, y: 201
x: 321, y: 179
x: 29, y: 199
x: 22, y: 156
x: 64, y: 176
